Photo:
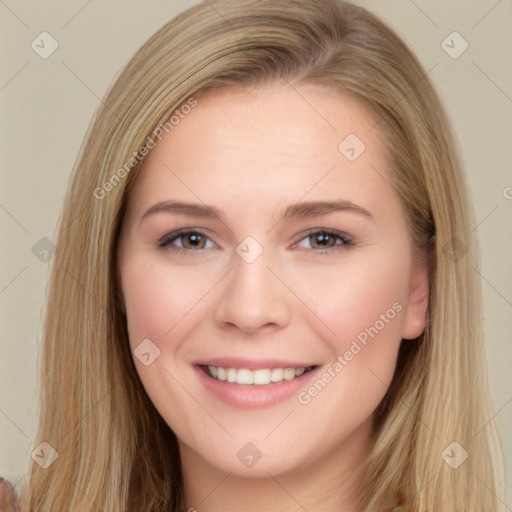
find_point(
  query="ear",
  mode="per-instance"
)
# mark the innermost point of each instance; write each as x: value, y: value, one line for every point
x: 415, y: 315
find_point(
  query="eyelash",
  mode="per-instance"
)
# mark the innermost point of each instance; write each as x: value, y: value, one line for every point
x: 166, y: 240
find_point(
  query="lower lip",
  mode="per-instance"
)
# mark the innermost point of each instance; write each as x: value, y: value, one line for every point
x: 253, y: 397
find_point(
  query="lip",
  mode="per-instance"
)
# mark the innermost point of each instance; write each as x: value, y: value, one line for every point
x: 243, y: 396
x: 252, y: 364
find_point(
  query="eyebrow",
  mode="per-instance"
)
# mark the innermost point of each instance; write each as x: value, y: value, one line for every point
x: 299, y: 210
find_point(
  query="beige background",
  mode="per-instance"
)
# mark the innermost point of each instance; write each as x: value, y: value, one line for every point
x: 47, y: 105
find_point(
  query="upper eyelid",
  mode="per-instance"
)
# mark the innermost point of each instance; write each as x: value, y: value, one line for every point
x: 173, y: 235
x: 336, y: 232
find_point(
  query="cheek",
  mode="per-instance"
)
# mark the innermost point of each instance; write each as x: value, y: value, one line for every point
x: 363, y: 306
x: 157, y: 300
x: 363, y: 309
x: 149, y: 306
x: 159, y: 306
x: 357, y: 294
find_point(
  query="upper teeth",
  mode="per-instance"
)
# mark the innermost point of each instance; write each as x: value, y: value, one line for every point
x: 255, y: 377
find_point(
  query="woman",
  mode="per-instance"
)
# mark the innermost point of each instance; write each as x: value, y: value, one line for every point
x: 263, y: 295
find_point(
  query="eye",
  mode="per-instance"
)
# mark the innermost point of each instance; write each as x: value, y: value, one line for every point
x: 186, y: 240
x: 325, y: 241
x: 189, y: 241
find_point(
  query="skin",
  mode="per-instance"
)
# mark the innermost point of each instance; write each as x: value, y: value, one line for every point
x: 250, y: 154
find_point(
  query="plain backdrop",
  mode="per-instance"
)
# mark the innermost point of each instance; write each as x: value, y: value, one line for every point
x: 47, y: 105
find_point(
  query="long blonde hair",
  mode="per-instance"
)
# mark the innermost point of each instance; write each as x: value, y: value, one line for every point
x: 115, y: 451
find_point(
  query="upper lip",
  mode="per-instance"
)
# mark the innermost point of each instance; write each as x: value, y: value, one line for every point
x: 252, y: 364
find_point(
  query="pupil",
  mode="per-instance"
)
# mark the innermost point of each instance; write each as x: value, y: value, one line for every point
x: 194, y: 240
x: 322, y: 239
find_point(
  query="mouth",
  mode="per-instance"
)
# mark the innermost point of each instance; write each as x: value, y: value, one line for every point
x: 255, y: 377
x: 248, y: 384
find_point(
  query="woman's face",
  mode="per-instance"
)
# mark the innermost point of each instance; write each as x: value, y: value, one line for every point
x: 279, y: 255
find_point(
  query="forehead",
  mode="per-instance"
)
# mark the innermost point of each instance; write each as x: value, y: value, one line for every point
x: 279, y: 142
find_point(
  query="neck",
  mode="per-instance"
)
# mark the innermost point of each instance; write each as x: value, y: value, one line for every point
x: 332, y: 482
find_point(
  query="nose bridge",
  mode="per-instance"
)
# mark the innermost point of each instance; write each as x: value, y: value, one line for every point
x: 252, y: 296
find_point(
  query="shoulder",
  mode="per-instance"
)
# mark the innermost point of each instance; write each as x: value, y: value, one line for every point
x: 8, y: 500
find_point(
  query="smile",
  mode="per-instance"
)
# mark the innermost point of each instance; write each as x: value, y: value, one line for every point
x: 248, y: 383
x: 258, y: 377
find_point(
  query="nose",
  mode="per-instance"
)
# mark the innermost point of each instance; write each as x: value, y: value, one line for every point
x: 253, y: 297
